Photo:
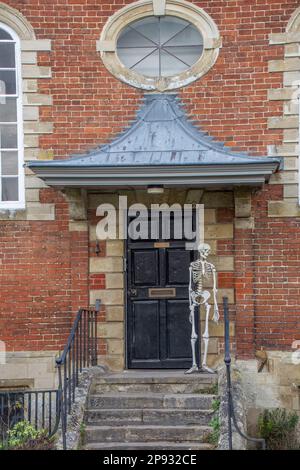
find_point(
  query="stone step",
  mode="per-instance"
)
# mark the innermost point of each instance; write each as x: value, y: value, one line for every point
x: 157, y: 445
x: 144, y: 387
x: 154, y: 381
x: 150, y: 400
x: 170, y: 417
x: 145, y: 433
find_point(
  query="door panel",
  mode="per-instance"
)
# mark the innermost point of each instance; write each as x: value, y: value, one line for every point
x: 177, y: 264
x: 178, y: 330
x: 145, y: 267
x: 146, y: 330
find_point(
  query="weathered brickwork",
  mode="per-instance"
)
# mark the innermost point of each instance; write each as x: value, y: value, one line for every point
x: 48, y: 265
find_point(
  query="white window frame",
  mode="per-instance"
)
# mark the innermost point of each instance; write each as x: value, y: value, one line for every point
x: 20, y: 204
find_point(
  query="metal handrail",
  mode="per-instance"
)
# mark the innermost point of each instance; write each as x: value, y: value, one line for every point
x: 80, y: 352
x: 230, y: 404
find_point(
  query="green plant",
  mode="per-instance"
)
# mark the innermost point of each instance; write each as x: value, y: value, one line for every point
x: 81, y: 436
x: 216, y: 404
x: 279, y: 428
x: 24, y: 436
x: 215, y: 434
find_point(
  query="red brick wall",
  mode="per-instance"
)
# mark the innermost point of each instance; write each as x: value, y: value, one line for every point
x: 43, y: 279
x: 267, y: 279
x: 277, y: 275
x: 44, y: 267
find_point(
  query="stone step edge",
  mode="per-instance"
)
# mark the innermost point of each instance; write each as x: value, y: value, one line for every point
x: 164, y: 410
x: 149, y: 445
x: 154, y: 380
x: 123, y: 395
x: 142, y: 427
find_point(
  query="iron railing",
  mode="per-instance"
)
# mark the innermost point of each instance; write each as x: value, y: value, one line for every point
x: 230, y: 404
x: 46, y: 409
x: 80, y: 352
x: 39, y: 407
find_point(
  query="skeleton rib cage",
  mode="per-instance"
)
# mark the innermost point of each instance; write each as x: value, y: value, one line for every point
x: 200, y: 270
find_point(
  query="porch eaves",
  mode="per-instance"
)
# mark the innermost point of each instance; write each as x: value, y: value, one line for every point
x: 160, y: 147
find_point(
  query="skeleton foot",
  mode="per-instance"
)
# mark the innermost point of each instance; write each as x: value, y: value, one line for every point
x: 192, y: 370
x: 208, y: 369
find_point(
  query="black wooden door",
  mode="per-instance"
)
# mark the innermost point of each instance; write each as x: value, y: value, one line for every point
x: 158, y: 327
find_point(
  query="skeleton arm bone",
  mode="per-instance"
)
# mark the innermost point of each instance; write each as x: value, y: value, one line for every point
x: 215, y: 290
x: 190, y: 292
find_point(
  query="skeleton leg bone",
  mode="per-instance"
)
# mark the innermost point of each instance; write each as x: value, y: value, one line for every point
x: 205, y: 337
x: 194, y: 338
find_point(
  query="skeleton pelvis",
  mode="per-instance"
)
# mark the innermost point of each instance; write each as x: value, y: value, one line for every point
x: 200, y: 298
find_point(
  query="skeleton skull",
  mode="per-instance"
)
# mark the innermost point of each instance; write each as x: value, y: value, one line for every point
x: 204, y: 250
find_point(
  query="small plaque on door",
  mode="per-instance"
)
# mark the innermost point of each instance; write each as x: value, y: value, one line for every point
x: 162, y: 292
x: 161, y: 244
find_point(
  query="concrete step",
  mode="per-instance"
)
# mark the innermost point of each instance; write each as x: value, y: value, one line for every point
x: 146, y: 433
x: 157, y: 445
x: 150, y: 400
x: 170, y: 417
x: 155, y: 382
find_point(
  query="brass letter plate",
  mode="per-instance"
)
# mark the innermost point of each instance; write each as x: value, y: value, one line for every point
x: 162, y: 292
x: 161, y: 244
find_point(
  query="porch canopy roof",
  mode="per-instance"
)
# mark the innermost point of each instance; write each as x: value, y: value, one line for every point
x: 161, y: 147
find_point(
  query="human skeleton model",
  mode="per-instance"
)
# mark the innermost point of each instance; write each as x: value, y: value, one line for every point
x: 200, y: 270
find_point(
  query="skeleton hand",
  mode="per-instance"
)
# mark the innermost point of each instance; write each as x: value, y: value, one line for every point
x: 216, y: 308
x: 216, y: 314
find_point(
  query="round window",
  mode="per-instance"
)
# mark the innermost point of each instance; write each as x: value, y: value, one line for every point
x: 160, y: 46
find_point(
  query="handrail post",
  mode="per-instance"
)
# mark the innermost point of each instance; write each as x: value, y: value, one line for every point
x: 62, y: 409
x: 95, y: 352
x: 230, y: 405
x: 227, y: 360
